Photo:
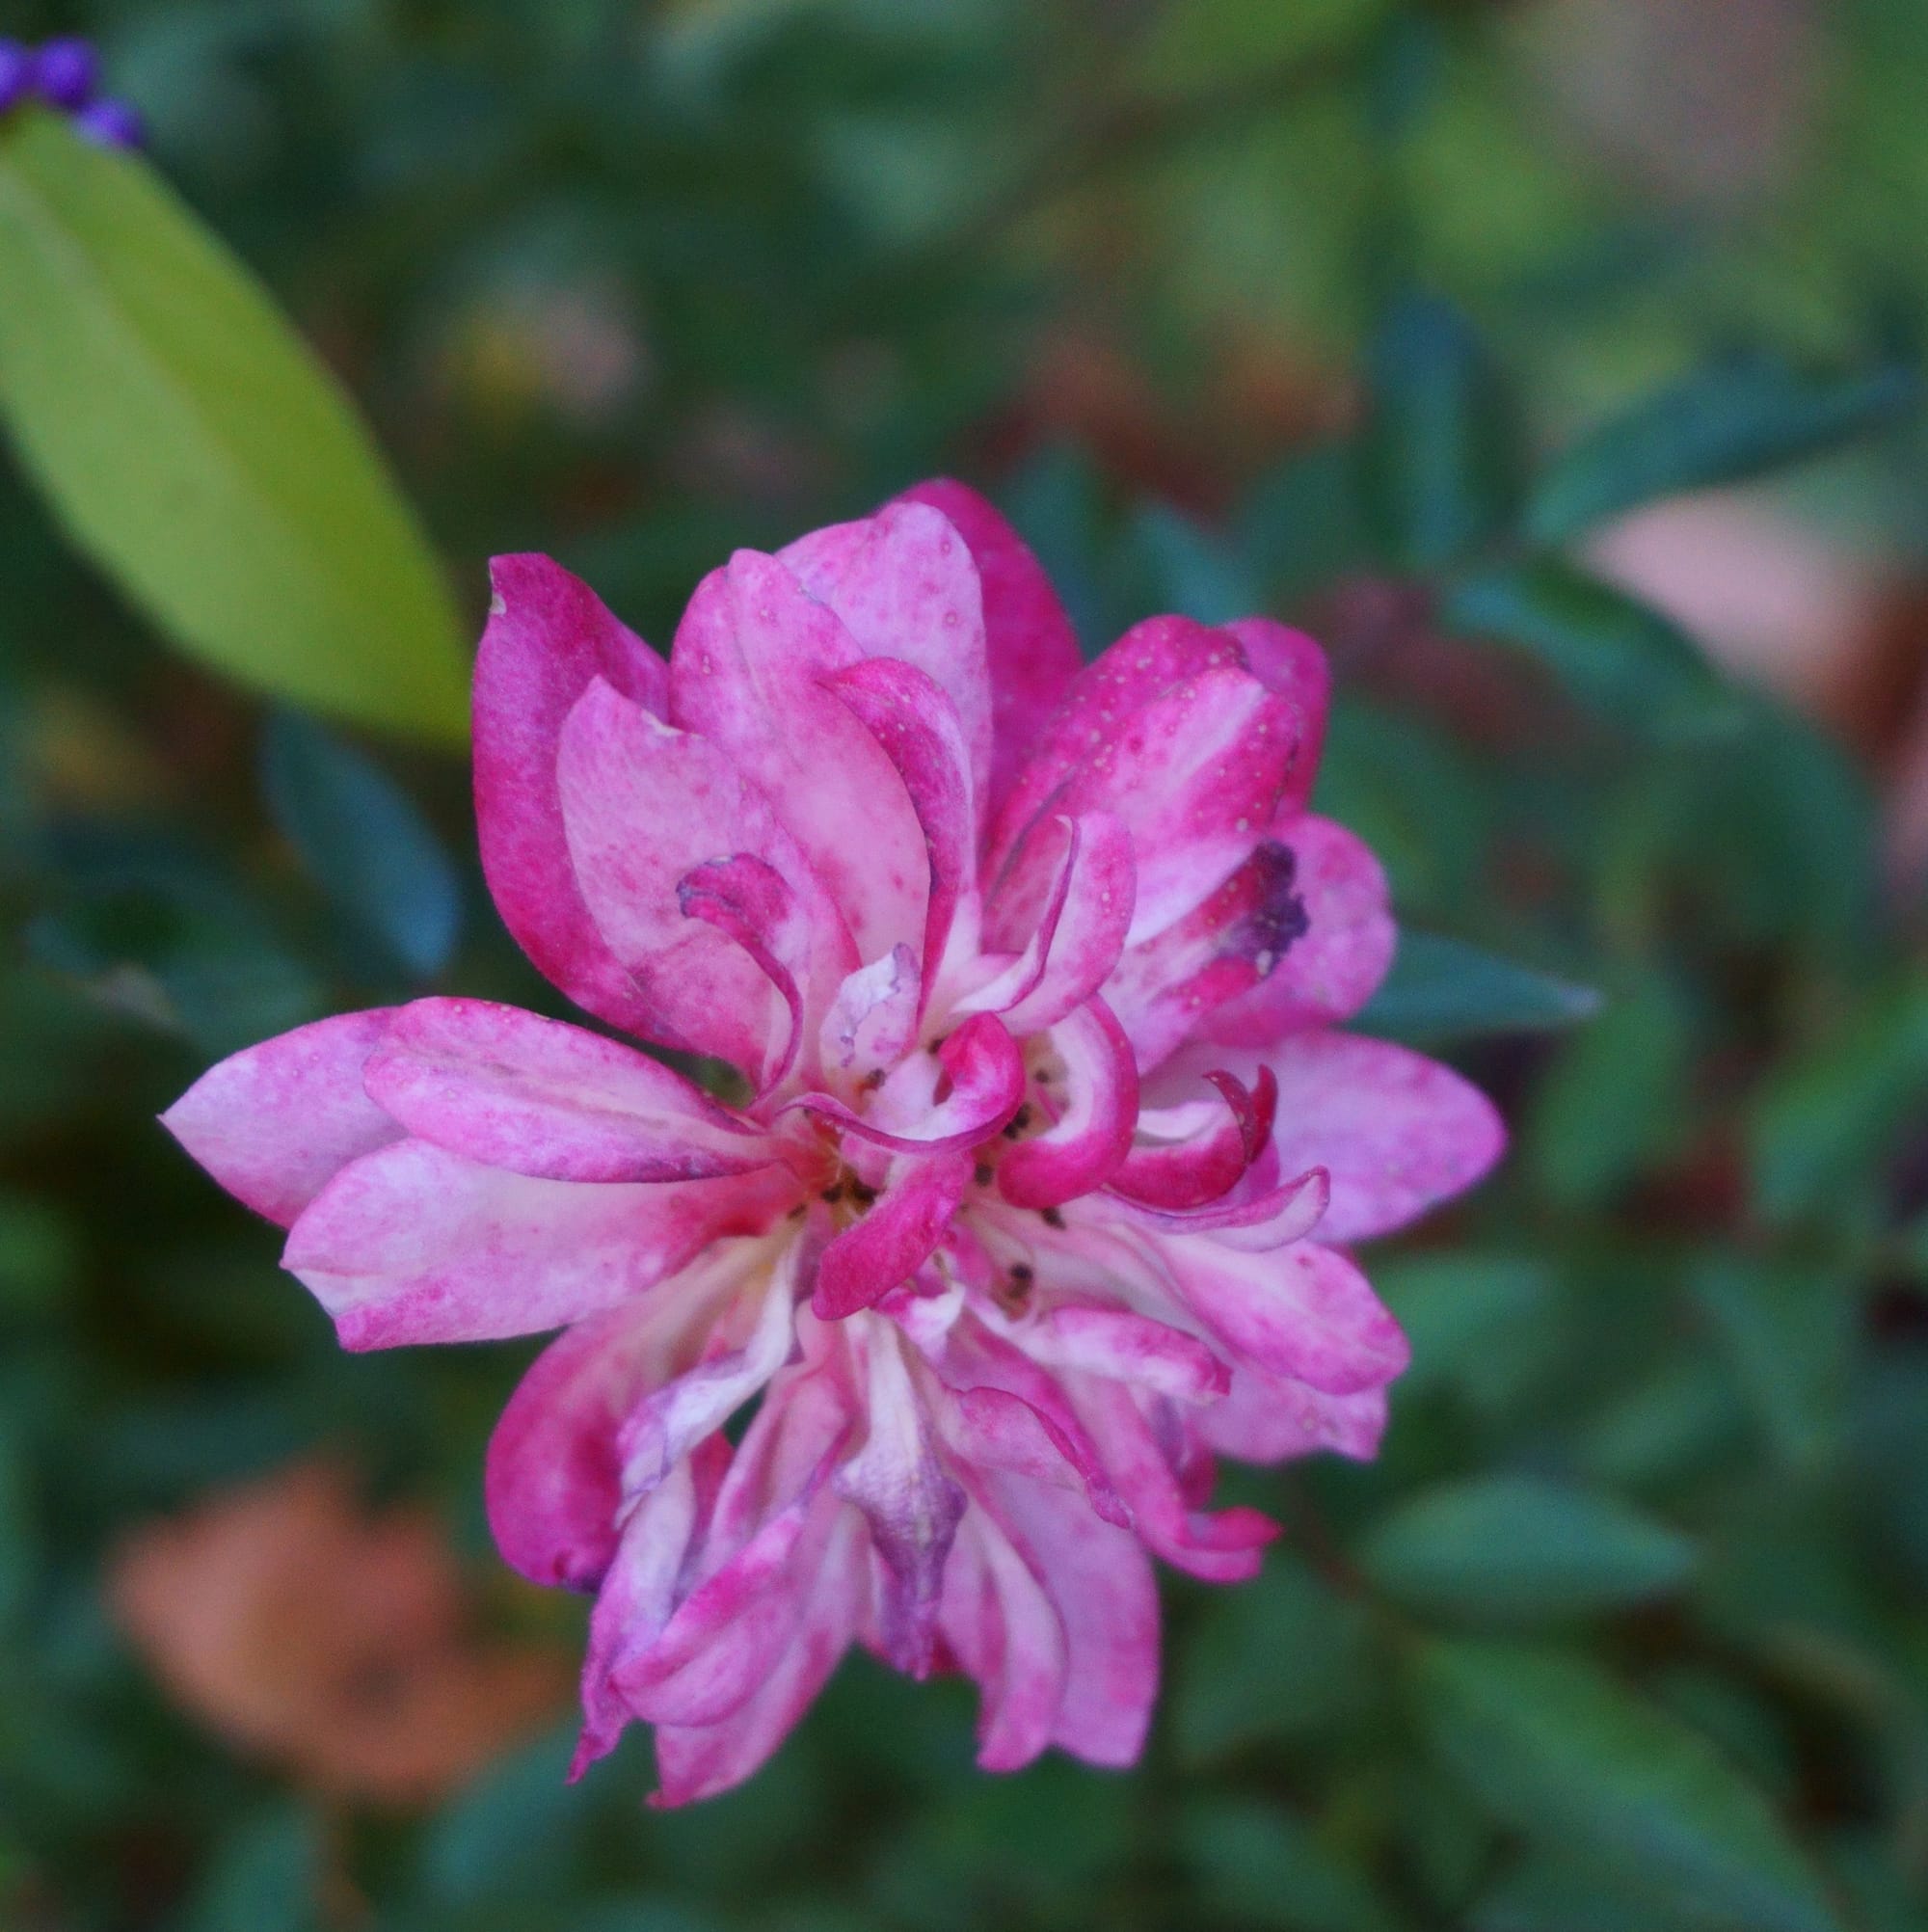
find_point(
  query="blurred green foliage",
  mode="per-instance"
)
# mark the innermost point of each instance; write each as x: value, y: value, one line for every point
x: 1319, y: 308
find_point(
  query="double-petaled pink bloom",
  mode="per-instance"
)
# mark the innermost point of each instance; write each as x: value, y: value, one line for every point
x: 1040, y: 1193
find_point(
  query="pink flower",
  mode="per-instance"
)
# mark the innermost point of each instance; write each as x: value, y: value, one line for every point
x: 1039, y: 1192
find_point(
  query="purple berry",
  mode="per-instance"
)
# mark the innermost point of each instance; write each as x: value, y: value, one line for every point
x: 65, y: 73
x: 17, y: 73
x: 110, y: 123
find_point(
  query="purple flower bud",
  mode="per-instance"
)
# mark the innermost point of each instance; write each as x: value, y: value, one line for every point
x: 65, y: 73
x: 110, y: 123
x: 17, y: 73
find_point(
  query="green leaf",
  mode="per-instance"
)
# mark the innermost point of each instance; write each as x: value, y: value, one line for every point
x: 517, y: 1831
x: 1260, y: 1864
x: 1520, y: 1549
x: 1442, y: 989
x: 368, y: 848
x: 1608, y: 653
x: 1561, y: 1751
x: 1441, y: 460
x: 1615, y: 1103
x: 1277, y: 1658
x: 199, y: 453
x: 1722, y: 425
x: 1820, y: 1125
x: 1789, y: 1334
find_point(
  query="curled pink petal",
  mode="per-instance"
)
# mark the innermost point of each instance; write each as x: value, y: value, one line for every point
x: 1079, y: 932
x: 1208, y: 1157
x: 746, y: 897
x: 894, y: 1238
x: 939, y: 1102
x: 1292, y: 665
x: 917, y: 727
x: 275, y: 1123
x: 1096, y: 1094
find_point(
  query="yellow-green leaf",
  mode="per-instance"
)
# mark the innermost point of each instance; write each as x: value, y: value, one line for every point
x: 197, y: 452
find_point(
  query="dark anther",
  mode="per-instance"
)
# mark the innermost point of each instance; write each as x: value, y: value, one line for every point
x: 1052, y: 1219
x: 862, y: 1194
x: 833, y: 1196
x: 984, y: 1175
x: 1019, y: 1121
x: 873, y: 1080
x: 1021, y: 1273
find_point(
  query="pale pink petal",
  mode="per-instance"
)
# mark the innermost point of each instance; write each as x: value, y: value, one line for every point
x: 413, y: 1244
x: 1100, y: 1580
x: 644, y: 806
x: 1252, y: 1216
x: 1264, y: 1419
x: 747, y: 672
x: 1233, y: 944
x: 549, y: 637
x: 1031, y: 653
x: 699, y: 1763
x: 275, y: 1123
x: 1127, y: 1347
x: 1335, y: 966
x: 1079, y: 934
x: 663, y: 1429
x: 1221, y: 1546
x: 906, y: 588
x: 1292, y: 664
x: 917, y: 727
x: 1094, y: 1085
x: 894, y: 1237
x: 1302, y: 1312
x: 1397, y: 1133
x: 539, y: 1097
x: 554, y: 1471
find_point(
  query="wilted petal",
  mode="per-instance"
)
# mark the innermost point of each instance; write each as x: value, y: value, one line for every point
x: 1166, y: 990
x: 275, y: 1123
x: 873, y: 1022
x: 1221, y: 1546
x: 1031, y: 653
x: 414, y: 1244
x: 548, y: 639
x: 1336, y: 964
x: 747, y: 672
x: 699, y: 1763
x: 542, y: 1098
x: 912, y: 1505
